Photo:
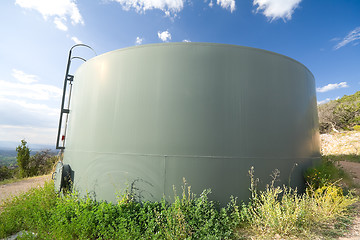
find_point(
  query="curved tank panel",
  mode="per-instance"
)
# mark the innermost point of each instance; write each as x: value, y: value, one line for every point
x: 143, y: 118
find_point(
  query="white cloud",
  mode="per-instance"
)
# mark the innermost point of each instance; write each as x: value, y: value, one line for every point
x: 26, y: 87
x: 29, y: 90
x: 76, y: 40
x: 26, y: 108
x: 323, y: 101
x: 327, y: 100
x: 165, y: 36
x: 23, y: 77
x: 186, y: 40
x: 33, y: 135
x: 227, y: 4
x: 335, y: 39
x: 352, y: 36
x: 332, y: 86
x: 30, y: 107
x: 274, y: 9
x: 167, y: 6
x: 60, y: 25
x: 138, y: 40
x: 60, y: 10
x: 211, y: 4
x: 22, y: 113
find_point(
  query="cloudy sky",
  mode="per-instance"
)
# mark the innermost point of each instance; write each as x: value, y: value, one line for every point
x: 36, y: 36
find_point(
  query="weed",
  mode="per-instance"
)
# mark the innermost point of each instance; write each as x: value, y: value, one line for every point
x: 282, y: 211
x: 327, y: 172
x: 41, y: 214
x: 344, y: 157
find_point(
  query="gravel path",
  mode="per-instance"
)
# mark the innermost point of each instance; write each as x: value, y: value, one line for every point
x: 354, y: 169
x: 11, y: 189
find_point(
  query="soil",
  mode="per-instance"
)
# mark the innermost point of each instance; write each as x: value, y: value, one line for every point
x: 346, y: 143
x: 11, y: 189
x: 354, y: 170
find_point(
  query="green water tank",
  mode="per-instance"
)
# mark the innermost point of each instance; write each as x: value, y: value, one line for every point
x: 143, y: 118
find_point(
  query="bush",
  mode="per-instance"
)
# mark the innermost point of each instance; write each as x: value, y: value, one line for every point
x: 41, y: 163
x: 38, y: 164
x: 282, y: 211
x: 326, y: 173
x: 5, y: 173
x: 356, y: 128
x: 343, y: 113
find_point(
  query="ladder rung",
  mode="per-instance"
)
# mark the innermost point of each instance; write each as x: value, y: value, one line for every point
x: 70, y: 78
x: 65, y: 110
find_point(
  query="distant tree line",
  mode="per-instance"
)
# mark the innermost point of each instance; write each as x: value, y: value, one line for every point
x: 340, y: 114
x: 39, y: 164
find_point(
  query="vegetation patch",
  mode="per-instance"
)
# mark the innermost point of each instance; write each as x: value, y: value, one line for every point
x: 27, y: 164
x: 274, y: 211
x: 328, y: 172
x: 340, y: 114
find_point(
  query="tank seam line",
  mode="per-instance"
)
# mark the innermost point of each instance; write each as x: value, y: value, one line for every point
x: 196, y: 156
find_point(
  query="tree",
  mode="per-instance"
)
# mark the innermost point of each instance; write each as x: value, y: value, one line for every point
x: 23, y: 159
x: 5, y: 173
x: 41, y: 163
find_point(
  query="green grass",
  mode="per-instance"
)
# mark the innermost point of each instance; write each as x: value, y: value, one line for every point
x: 344, y: 157
x: 11, y: 180
x: 14, y: 180
x: 71, y: 217
x: 274, y: 211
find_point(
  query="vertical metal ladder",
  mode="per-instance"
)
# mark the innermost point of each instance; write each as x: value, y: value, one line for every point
x: 60, y: 142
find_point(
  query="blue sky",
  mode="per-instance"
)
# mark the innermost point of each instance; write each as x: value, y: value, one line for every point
x: 36, y: 36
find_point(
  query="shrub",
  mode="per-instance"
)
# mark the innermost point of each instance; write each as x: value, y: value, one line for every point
x: 282, y: 211
x: 5, y: 173
x: 356, y: 128
x: 41, y: 163
x: 343, y: 113
x: 38, y: 164
x: 326, y: 173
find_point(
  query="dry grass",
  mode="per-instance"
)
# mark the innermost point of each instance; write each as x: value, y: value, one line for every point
x: 344, y: 143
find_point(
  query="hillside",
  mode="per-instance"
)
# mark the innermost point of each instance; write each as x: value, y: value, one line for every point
x: 8, y: 152
x: 7, y: 157
x: 340, y: 114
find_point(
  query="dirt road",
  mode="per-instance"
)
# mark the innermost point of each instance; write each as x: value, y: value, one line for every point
x: 11, y: 189
x: 354, y: 170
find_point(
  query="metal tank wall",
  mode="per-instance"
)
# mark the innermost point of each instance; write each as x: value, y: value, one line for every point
x: 145, y: 117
